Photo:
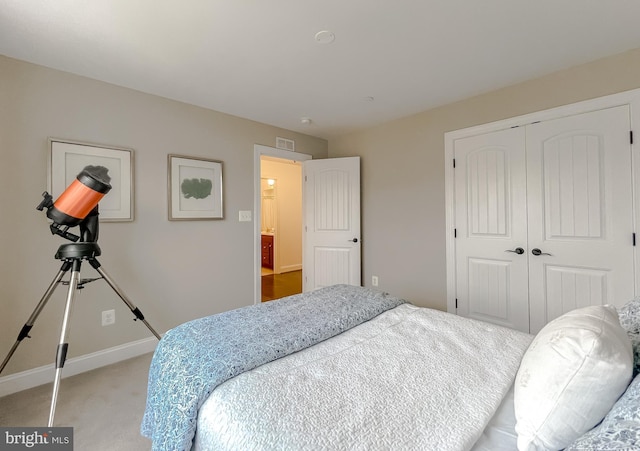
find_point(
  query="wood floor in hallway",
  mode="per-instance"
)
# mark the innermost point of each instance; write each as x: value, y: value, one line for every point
x: 276, y: 286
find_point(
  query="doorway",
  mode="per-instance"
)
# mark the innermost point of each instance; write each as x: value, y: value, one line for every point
x: 278, y: 222
x: 280, y: 227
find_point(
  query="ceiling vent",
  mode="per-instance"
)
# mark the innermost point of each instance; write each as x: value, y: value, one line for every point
x: 285, y: 144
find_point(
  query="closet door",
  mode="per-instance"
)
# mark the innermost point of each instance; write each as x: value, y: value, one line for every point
x: 491, y: 228
x: 580, y: 213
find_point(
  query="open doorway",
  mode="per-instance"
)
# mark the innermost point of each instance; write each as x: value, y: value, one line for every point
x: 278, y: 222
x: 280, y: 227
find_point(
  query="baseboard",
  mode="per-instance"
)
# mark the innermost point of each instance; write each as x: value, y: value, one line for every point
x: 76, y: 365
x: 290, y: 268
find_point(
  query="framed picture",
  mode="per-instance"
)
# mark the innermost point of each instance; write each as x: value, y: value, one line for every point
x: 68, y: 158
x: 195, y: 188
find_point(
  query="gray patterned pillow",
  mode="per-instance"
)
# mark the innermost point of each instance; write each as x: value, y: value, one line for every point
x: 620, y: 429
x: 630, y: 321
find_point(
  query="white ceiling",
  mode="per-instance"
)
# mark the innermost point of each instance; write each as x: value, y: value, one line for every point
x: 259, y: 59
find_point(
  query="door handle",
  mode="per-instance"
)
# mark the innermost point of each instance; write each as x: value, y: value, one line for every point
x: 537, y: 252
x: 517, y: 250
x: 355, y: 240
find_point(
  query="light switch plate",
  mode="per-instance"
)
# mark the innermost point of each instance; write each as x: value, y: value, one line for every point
x: 244, y: 216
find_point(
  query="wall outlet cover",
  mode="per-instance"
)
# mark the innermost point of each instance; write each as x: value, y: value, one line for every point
x: 108, y: 317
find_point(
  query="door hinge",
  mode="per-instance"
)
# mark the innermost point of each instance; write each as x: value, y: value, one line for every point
x: 305, y: 178
x: 454, y: 163
x: 634, y: 238
x: 455, y: 233
x: 630, y: 136
x: 456, y: 303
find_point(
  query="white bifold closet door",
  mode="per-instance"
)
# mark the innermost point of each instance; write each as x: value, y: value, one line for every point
x: 544, y: 219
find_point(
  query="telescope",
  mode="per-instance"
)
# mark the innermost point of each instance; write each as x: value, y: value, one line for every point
x: 76, y: 206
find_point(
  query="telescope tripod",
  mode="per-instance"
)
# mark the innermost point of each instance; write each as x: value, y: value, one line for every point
x: 72, y: 256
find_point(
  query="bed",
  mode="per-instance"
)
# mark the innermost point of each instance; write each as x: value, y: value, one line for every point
x: 352, y: 368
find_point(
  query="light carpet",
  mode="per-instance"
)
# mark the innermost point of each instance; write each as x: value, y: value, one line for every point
x: 104, y: 406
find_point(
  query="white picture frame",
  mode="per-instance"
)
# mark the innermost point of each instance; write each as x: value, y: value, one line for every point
x: 195, y: 188
x: 68, y: 158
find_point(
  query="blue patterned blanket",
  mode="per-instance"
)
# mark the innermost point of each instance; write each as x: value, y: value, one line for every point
x: 194, y: 358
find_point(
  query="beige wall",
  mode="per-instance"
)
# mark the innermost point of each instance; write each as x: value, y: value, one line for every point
x: 403, y: 190
x: 176, y: 271
x: 172, y: 270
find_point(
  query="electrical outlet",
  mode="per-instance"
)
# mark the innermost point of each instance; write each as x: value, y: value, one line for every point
x: 108, y: 317
x: 244, y: 216
x: 374, y: 281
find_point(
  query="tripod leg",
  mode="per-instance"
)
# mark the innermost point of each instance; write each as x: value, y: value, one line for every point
x: 24, y: 333
x: 61, y: 353
x: 136, y: 311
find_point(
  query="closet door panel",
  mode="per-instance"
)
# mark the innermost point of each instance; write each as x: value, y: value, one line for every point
x: 579, y: 186
x: 574, y: 288
x: 490, y: 190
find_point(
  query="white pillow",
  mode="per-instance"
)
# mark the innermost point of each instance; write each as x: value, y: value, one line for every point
x: 573, y: 372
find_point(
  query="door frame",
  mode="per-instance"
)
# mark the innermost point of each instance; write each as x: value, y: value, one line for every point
x: 259, y: 151
x: 631, y: 98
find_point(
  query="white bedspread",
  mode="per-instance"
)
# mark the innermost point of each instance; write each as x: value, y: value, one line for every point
x: 411, y: 378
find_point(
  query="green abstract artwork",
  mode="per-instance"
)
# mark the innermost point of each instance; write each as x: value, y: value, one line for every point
x: 196, y: 188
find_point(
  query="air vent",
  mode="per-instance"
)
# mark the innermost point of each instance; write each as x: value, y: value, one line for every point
x: 285, y: 144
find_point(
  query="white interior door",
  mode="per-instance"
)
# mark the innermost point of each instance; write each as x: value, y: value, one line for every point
x: 331, y: 236
x: 580, y: 211
x: 491, y: 228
